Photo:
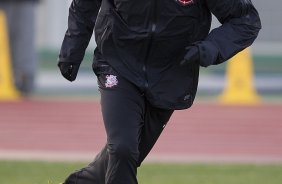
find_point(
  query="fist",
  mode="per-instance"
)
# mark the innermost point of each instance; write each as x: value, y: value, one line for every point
x: 68, y: 70
x: 192, y: 56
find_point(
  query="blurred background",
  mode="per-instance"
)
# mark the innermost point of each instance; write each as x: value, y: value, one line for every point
x: 236, y: 117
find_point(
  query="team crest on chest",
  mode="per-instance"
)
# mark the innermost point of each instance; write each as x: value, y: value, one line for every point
x: 185, y: 2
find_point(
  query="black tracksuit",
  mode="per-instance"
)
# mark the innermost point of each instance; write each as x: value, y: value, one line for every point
x: 139, y: 47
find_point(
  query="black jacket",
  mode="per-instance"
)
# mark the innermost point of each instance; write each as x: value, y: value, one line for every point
x: 144, y: 41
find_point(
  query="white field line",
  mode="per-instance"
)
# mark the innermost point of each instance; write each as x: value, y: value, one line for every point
x: 164, y: 158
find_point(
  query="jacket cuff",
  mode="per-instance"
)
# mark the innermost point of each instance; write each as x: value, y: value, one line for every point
x: 65, y: 60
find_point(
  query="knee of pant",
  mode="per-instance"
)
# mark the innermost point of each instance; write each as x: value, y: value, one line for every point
x: 124, y: 150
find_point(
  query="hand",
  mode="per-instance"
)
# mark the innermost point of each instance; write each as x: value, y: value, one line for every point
x: 192, y: 56
x: 68, y: 70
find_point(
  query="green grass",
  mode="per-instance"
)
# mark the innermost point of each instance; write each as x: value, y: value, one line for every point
x: 23, y: 172
x: 211, y: 174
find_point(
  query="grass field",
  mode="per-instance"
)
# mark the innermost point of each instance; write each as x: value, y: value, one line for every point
x: 23, y: 172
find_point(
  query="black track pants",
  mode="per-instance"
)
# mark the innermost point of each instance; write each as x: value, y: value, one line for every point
x: 132, y: 126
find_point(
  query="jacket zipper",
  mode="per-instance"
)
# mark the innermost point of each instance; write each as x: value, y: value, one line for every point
x: 152, y: 32
x: 102, y: 37
x: 104, y: 32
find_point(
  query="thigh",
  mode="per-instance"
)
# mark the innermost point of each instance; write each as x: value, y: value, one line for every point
x: 155, y: 122
x: 123, y: 109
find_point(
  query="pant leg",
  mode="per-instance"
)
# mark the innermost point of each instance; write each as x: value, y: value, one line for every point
x: 155, y: 122
x: 132, y: 131
x: 123, y: 108
x: 94, y: 173
x: 133, y: 126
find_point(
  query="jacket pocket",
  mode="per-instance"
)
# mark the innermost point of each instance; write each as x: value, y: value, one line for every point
x: 100, y: 65
x: 177, y: 88
x: 107, y: 77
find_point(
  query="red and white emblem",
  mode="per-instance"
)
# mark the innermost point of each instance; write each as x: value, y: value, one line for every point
x: 185, y: 2
x: 111, y: 81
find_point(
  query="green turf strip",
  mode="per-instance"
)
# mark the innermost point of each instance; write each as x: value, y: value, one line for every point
x: 18, y: 172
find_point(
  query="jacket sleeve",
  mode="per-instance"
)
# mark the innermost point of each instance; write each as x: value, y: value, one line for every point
x: 81, y: 21
x: 240, y: 26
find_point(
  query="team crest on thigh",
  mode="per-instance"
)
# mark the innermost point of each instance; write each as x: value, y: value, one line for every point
x: 111, y: 81
x: 185, y: 2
